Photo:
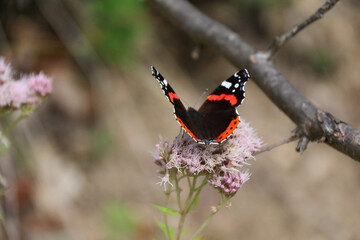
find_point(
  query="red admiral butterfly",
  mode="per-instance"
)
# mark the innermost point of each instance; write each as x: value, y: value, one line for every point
x: 217, y: 117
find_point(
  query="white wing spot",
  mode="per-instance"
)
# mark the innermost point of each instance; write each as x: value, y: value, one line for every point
x: 236, y: 85
x: 233, y: 90
x: 165, y: 82
x: 226, y: 84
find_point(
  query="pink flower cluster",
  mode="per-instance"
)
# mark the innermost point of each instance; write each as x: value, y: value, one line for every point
x: 229, y: 180
x: 221, y: 164
x: 29, y: 89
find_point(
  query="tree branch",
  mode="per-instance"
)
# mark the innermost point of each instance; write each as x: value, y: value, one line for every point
x: 313, y: 123
x: 279, y: 41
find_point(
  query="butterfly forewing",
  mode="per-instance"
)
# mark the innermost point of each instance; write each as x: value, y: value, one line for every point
x: 231, y: 91
x: 180, y: 112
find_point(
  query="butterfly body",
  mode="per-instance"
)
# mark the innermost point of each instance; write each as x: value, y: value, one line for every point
x: 217, y: 117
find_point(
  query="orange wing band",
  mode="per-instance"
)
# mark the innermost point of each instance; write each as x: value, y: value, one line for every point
x: 186, y: 128
x: 173, y: 95
x: 229, y: 130
x: 231, y: 98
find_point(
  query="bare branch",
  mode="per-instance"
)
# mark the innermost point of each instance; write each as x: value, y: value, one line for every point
x: 279, y: 41
x: 268, y: 148
x: 263, y: 72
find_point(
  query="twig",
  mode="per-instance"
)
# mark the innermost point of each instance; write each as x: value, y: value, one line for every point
x: 302, y: 145
x: 279, y: 41
x: 279, y: 90
x: 268, y: 148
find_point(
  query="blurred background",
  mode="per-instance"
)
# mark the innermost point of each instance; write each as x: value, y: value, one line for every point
x: 81, y: 166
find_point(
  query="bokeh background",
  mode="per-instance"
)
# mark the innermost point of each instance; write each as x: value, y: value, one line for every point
x: 81, y: 166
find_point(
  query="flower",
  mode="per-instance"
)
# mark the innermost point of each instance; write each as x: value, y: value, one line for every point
x: 229, y: 180
x: 165, y: 180
x: 41, y: 84
x: 28, y: 90
x: 17, y: 93
x: 222, y: 164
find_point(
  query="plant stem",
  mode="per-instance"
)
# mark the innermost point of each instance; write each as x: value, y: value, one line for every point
x: 193, y: 194
x: 181, y: 225
x: 197, y: 190
x: 165, y: 217
x: 178, y: 191
x: 13, y: 123
x: 189, y: 181
x: 187, y: 206
x: 220, y: 206
x: 201, y: 186
x: 189, y: 197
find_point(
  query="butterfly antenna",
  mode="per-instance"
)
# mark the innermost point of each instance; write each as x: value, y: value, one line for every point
x: 201, y: 97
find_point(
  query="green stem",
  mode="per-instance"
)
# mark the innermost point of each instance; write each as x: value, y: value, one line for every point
x: 197, y: 190
x: 178, y: 191
x: 193, y: 194
x: 201, y: 185
x: 218, y: 208
x: 189, y: 197
x: 183, y: 176
x: 189, y: 181
x: 181, y: 225
x: 165, y: 217
x: 185, y: 210
x: 13, y: 123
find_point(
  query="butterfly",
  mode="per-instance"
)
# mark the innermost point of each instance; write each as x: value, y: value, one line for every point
x: 217, y: 117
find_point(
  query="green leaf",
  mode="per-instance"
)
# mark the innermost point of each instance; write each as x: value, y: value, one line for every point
x: 166, y: 210
x: 163, y: 228
x: 1, y: 218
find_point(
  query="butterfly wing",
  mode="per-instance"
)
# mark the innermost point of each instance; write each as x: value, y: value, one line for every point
x: 180, y: 112
x: 220, y: 117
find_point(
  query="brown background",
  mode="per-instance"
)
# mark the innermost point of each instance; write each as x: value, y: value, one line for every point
x: 61, y: 182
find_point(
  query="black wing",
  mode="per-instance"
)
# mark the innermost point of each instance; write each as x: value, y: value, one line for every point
x: 180, y: 112
x: 219, y: 114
